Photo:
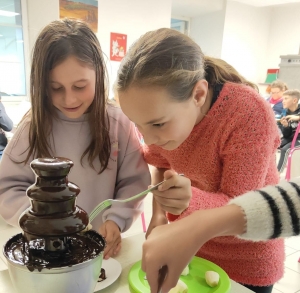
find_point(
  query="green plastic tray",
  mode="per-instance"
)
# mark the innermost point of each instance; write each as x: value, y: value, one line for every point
x: 195, y: 280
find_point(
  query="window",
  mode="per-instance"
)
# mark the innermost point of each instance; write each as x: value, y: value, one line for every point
x: 181, y: 25
x: 12, y: 65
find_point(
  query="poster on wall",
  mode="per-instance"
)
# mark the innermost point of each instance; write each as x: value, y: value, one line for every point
x: 86, y: 10
x: 118, y: 45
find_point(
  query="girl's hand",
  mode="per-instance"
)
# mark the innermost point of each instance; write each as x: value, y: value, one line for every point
x: 292, y: 118
x: 173, y: 195
x: 157, y: 219
x: 111, y: 232
x: 173, y: 245
x: 284, y: 121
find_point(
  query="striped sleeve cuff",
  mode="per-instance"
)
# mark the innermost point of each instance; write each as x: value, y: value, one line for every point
x: 271, y: 212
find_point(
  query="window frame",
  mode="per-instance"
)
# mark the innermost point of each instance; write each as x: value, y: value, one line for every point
x: 187, y: 19
x: 26, y: 97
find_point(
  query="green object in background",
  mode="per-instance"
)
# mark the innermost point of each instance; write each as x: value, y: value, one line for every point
x: 195, y: 280
x: 272, y: 75
x: 270, y: 78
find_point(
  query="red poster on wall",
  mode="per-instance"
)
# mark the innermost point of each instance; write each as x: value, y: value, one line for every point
x: 118, y: 45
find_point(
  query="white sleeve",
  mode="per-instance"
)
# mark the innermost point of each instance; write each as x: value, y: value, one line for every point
x: 15, y: 178
x: 272, y: 211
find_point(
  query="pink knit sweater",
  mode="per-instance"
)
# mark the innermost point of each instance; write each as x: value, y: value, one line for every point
x: 231, y: 151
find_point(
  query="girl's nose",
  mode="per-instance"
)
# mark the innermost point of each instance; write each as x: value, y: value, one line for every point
x: 150, y: 138
x: 69, y: 98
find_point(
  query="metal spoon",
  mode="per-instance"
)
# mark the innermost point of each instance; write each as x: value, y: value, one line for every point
x: 108, y: 202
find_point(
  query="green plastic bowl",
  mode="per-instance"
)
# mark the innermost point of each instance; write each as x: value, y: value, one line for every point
x: 195, y: 280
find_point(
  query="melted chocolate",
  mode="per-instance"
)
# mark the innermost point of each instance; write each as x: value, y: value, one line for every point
x: 79, y: 248
x: 51, y: 226
x: 102, y: 276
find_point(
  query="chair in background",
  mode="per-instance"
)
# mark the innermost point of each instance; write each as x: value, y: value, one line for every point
x: 144, y: 222
x: 293, y: 163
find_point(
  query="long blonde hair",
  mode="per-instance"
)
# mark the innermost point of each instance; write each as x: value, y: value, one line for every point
x: 57, y: 41
x: 168, y: 58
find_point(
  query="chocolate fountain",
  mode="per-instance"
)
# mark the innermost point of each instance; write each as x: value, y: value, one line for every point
x: 53, y: 254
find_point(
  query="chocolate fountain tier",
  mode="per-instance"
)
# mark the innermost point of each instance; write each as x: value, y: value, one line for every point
x: 52, y: 167
x: 53, y: 212
x: 58, y: 225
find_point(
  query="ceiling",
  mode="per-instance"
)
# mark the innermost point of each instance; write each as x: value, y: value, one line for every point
x: 261, y: 3
x: 192, y: 8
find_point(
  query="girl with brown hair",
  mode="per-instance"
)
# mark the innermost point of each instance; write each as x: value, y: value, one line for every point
x: 71, y: 117
x: 199, y: 117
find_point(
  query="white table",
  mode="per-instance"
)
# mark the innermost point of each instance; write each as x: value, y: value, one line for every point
x: 131, y: 253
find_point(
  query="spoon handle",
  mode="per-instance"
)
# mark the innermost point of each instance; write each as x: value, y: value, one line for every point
x: 145, y: 192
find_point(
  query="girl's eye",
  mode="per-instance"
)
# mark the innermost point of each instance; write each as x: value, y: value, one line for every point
x: 159, y: 124
x: 57, y: 89
x: 79, y: 87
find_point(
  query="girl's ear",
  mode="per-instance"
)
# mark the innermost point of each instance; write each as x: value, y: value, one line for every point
x: 199, y: 93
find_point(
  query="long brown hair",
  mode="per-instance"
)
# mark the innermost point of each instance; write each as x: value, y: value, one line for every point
x: 57, y: 41
x: 168, y: 58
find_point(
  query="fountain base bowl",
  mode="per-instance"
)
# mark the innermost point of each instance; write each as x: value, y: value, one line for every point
x: 78, y: 278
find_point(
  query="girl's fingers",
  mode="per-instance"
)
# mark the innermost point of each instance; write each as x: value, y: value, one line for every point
x: 102, y: 231
x: 174, y: 206
x: 169, y: 203
x: 152, y: 278
x: 113, y: 239
x: 118, y: 248
x: 169, y: 177
x: 171, y: 279
x: 112, y: 247
x: 174, y: 210
x: 179, y: 194
x: 176, y: 181
x: 169, y: 173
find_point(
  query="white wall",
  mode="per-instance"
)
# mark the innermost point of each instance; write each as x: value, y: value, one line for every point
x: 246, y: 39
x: 131, y: 17
x: 284, y: 38
x: 249, y: 38
x: 207, y: 31
x: 39, y: 14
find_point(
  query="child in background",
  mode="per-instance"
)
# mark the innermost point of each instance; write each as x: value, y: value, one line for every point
x: 277, y: 88
x: 71, y: 117
x: 199, y: 117
x: 288, y: 125
x: 5, y: 124
x: 250, y: 216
